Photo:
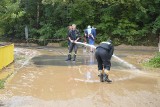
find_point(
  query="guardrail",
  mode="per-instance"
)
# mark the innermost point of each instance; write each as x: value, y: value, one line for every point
x: 6, y: 55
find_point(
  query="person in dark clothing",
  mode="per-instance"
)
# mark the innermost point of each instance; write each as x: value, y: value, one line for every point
x: 85, y: 36
x: 73, y: 37
x: 69, y: 30
x: 103, y: 55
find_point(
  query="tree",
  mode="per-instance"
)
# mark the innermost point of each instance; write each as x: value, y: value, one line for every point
x: 10, y: 16
x: 134, y: 22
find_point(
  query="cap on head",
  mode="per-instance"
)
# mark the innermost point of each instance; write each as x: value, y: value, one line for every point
x: 110, y: 41
x: 74, y: 25
x: 89, y: 27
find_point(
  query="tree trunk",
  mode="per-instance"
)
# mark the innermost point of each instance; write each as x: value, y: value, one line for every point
x: 159, y: 43
x: 38, y: 9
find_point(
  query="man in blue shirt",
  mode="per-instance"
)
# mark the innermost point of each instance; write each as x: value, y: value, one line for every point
x: 94, y: 32
x: 85, y: 36
x: 90, y: 36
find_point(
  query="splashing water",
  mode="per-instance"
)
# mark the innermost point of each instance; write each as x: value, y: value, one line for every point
x: 88, y: 45
x: 132, y: 67
x: 88, y: 75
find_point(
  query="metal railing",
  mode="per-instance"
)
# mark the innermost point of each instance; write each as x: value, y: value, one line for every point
x: 6, y: 55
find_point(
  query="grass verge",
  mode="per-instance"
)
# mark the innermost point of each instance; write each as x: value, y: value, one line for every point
x: 2, y: 83
x: 154, y: 62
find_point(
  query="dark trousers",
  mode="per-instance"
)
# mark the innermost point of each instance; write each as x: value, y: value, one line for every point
x: 73, y: 46
x: 103, y: 59
x: 69, y: 42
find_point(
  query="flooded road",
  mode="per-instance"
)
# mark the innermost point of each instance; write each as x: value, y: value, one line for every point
x: 47, y: 80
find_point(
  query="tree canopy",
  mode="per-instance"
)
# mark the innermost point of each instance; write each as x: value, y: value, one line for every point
x: 124, y: 21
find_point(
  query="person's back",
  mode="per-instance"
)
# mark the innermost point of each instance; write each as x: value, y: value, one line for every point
x: 103, y: 55
x: 85, y: 36
x: 107, y: 46
x: 94, y: 32
x: 89, y: 31
x: 90, y: 37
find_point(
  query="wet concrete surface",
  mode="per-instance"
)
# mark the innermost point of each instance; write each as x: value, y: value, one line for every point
x: 49, y: 81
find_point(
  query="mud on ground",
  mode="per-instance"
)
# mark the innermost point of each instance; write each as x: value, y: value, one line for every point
x: 138, y: 55
x: 47, y: 80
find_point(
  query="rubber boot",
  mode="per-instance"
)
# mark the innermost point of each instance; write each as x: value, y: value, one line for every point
x: 69, y: 58
x: 101, y: 77
x: 74, y: 58
x: 106, y: 79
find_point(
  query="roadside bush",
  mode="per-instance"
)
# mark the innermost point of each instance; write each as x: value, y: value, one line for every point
x: 2, y: 84
x: 42, y: 42
x: 154, y: 62
x: 64, y: 43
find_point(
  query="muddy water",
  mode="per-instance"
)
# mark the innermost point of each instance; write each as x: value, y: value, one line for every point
x: 7, y: 72
x: 49, y: 81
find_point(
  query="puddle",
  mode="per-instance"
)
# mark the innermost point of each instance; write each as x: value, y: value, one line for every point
x: 49, y: 60
x: 7, y: 71
x: 51, y: 81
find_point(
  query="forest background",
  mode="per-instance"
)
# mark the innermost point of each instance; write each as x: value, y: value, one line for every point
x: 131, y: 22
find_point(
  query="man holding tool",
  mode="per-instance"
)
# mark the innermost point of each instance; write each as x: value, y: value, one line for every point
x: 73, y: 37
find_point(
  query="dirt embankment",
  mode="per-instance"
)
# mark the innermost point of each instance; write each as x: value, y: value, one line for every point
x: 138, y: 55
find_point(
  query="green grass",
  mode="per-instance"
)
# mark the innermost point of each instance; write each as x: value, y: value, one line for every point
x: 2, y: 81
x: 154, y: 62
x: 2, y: 84
x: 64, y: 43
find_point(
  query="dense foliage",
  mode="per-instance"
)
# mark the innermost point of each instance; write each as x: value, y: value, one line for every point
x: 125, y: 21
